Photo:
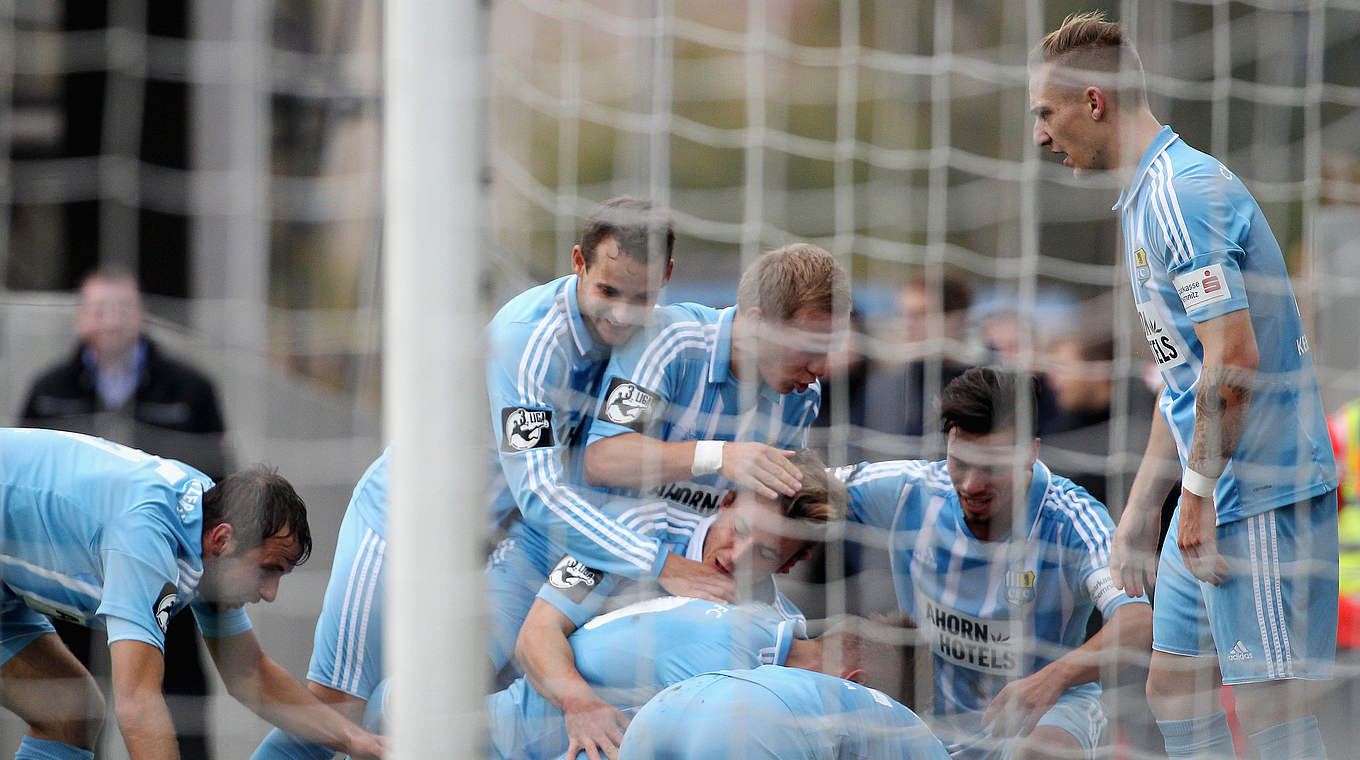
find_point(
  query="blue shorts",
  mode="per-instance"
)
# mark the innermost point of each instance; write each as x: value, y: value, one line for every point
x: 20, y: 625
x: 1078, y: 711
x: 1275, y: 616
x: 347, y: 646
x: 514, y: 573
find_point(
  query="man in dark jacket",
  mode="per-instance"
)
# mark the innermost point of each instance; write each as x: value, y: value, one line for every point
x: 117, y: 384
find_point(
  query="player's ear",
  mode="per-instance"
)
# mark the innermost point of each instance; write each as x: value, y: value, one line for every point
x: 799, y: 556
x: 220, y: 540
x: 578, y: 260
x: 854, y: 674
x: 1096, y: 102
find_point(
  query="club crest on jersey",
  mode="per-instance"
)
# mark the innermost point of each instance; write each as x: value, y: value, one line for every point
x: 1141, y: 270
x: 574, y: 579
x: 1020, y: 585
x: 627, y: 403
x: 165, y: 605
x: 526, y: 428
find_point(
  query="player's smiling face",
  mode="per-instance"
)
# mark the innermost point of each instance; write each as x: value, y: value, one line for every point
x: 615, y: 292
x: 232, y: 578
x: 745, y: 539
x: 1064, y: 121
x: 982, y: 469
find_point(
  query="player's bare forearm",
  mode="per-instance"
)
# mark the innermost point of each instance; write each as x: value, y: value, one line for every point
x: 547, y: 658
x: 262, y: 685
x: 633, y: 460
x: 1223, y: 392
x: 143, y: 717
x: 1125, y: 639
x: 1221, y: 402
x: 1159, y: 471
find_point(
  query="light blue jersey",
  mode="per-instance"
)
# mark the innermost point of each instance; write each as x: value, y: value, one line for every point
x: 347, y: 645
x: 582, y: 592
x: 629, y: 655
x: 542, y: 377
x: 992, y: 611
x: 675, y: 383
x: 1198, y: 247
x: 100, y: 535
x: 772, y: 713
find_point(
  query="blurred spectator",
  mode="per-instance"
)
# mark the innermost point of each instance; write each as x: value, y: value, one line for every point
x: 1082, y: 437
x: 118, y: 384
x: 899, y: 392
x: 843, y: 384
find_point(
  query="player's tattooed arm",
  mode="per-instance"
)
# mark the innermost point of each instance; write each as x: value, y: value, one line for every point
x: 1221, y: 403
x: 1223, y: 393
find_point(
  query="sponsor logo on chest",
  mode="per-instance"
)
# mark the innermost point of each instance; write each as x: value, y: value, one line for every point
x: 702, y: 499
x: 1167, y: 347
x: 986, y: 646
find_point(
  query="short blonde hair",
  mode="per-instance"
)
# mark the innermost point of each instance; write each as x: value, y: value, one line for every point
x: 1091, y: 44
x: 788, y: 280
x: 819, y: 501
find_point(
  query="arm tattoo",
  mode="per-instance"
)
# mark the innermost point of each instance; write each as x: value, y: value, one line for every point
x: 1221, y: 402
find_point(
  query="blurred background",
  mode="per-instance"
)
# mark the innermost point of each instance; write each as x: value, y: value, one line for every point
x: 227, y: 154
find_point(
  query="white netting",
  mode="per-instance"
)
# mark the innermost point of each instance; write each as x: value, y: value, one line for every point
x: 894, y: 134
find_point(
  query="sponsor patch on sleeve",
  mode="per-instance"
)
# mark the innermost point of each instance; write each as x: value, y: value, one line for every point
x: 165, y: 605
x: 628, y: 404
x: 1100, y: 587
x: 1202, y: 286
x: 523, y: 428
x: 574, y: 579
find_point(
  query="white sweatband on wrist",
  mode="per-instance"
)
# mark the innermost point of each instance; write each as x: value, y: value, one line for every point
x: 707, y: 457
x: 1198, y: 484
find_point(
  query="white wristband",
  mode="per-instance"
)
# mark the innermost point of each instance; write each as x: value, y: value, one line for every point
x: 707, y: 457
x: 1198, y: 484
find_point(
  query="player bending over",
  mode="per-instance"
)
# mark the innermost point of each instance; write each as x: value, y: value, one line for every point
x: 1000, y: 562
x: 751, y: 537
x: 106, y: 536
x: 774, y: 713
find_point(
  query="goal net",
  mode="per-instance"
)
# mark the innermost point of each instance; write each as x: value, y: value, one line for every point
x: 231, y: 155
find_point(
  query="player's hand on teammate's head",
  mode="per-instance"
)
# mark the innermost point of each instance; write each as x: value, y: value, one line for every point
x: 760, y: 468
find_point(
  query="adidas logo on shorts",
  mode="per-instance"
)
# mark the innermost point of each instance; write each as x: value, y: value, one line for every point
x: 1239, y: 653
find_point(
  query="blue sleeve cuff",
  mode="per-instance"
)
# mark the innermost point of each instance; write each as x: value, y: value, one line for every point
x: 122, y: 629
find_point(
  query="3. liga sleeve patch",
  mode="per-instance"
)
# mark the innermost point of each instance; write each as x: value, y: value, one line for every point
x: 165, y: 605
x: 628, y: 404
x: 574, y: 579
x: 523, y: 429
x: 1202, y: 286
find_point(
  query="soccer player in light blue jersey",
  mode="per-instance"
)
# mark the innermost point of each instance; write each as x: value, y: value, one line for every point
x: 109, y: 537
x: 706, y: 399
x: 1000, y: 562
x: 772, y: 713
x: 1247, y: 580
x: 751, y: 537
x: 630, y: 654
x: 548, y: 348
x: 347, y: 661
